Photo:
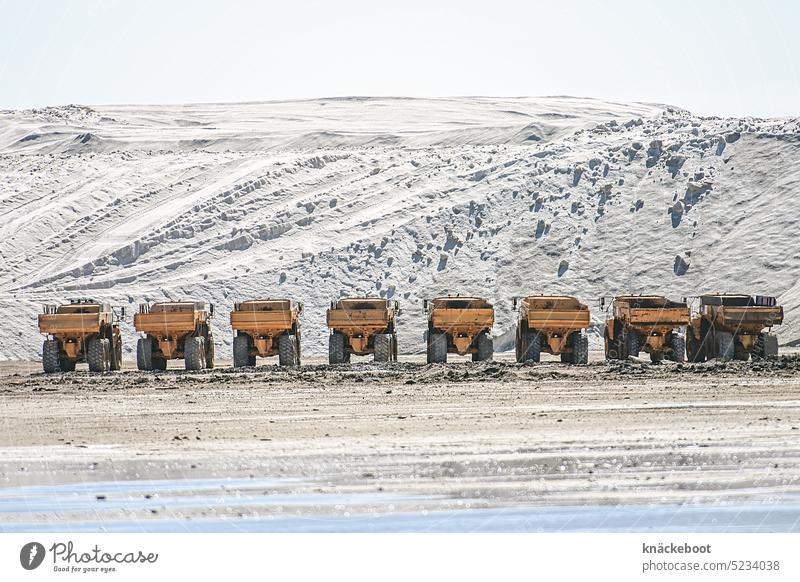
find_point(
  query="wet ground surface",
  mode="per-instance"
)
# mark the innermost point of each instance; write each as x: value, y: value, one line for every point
x: 404, y: 447
x: 259, y: 505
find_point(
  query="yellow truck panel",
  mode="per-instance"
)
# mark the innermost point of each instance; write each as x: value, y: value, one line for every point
x: 361, y: 326
x: 264, y: 328
x: 83, y: 330
x: 552, y: 324
x: 459, y: 325
x: 174, y: 330
x: 732, y: 326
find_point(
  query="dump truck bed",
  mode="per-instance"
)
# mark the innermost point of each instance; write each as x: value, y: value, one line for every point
x: 728, y: 316
x: 468, y: 319
x: 348, y: 318
x: 674, y: 317
x: 167, y: 323
x: 67, y: 323
x: 262, y: 321
x: 558, y: 319
x: 555, y: 312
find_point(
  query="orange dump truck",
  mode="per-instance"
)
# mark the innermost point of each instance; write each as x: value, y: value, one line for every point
x: 459, y: 325
x: 264, y: 328
x: 731, y: 326
x: 83, y: 330
x: 649, y: 323
x: 362, y: 326
x: 174, y: 330
x: 553, y: 324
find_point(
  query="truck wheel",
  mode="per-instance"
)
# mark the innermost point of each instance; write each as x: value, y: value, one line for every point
x: 194, y: 351
x: 337, y: 354
x: 694, y: 348
x: 98, y: 354
x: 691, y: 348
x: 678, y: 347
x: 656, y: 357
x: 766, y: 345
x: 533, y: 347
x: 610, y: 346
x: 209, y: 341
x: 51, y: 356
x: 383, y: 348
x: 241, y: 352
x: 485, y: 348
x: 740, y: 353
x: 725, y: 345
x: 287, y: 350
x: 632, y: 344
x: 144, y: 353
x: 580, y: 348
x: 394, y: 347
x: 706, y: 348
x: 437, y: 349
x: 116, y: 354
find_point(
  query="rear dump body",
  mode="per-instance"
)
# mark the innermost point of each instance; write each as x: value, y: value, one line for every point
x: 362, y: 326
x: 174, y: 330
x: 265, y: 328
x: 728, y: 326
x: 555, y: 325
x: 459, y: 325
x: 77, y: 332
x: 649, y: 323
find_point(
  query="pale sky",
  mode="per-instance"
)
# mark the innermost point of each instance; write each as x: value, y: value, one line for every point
x: 712, y: 57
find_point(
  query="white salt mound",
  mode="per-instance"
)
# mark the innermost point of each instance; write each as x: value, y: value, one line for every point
x: 399, y: 198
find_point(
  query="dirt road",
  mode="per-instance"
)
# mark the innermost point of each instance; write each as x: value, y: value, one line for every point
x: 432, y: 437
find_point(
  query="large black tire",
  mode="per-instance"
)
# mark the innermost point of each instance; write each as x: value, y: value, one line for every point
x: 632, y: 344
x: 394, y: 347
x: 766, y: 346
x: 209, y: 341
x: 725, y: 345
x: 144, y: 353
x: 656, y: 357
x: 610, y: 346
x: 383, y: 347
x: 677, y: 346
x: 533, y: 347
x: 695, y: 352
x: 580, y: 348
x: 707, y: 349
x: 98, y: 354
x: 437, y: 348
x: 484, y: 347
x: 194, y: 352
x: 615, y: 349
x: 51, y: 356
x: 740, y: 353
x: 116, y: 353
x: 288, y: 354
x: 337, y: 349
x: 241, y: 352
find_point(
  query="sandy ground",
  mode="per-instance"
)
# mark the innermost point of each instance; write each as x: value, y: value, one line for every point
x: 461, y: 434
